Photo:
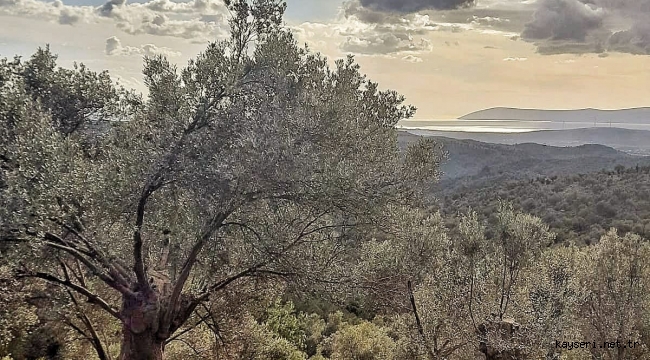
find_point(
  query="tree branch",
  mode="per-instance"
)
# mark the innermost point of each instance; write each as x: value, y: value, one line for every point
x: 155, y: 183
x: 138, y: 260
x: 114, y: 269
x: 256, y: 268
x: 201, y: 117
x: 92, y: 298
x: 430, y: 351
x: 58, y: 243
x: 93, y: 337
x: 212, y: 227
x: 223, y: 283
x: 184, y: 331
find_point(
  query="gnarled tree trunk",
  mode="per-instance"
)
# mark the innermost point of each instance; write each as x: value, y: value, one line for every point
x: 502, y: 332
x: 142, y: 346
x: 142, y: 317
x: 145, y: 328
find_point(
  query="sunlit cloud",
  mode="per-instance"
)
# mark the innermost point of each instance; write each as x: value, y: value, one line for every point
x: 114, y: 47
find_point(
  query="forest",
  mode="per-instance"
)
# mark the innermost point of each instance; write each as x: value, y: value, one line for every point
x: 578, y: 208
x: 259, y: 203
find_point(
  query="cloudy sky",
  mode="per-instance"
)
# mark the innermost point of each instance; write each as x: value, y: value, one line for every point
x: 449, y: 57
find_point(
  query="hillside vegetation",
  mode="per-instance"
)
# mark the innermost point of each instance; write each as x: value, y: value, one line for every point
x: 578, y: 208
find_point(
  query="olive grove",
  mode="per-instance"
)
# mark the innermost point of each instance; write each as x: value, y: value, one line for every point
x: 258, y: 204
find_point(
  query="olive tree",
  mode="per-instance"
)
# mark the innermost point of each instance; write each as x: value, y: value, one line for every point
x: 501, y: 305
x: 554, y: 294
x: 615, y: 275
x: 475, y: 298
x: 255, y: 161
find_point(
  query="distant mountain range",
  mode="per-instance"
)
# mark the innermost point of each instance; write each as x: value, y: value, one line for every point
x: 473, y: 163
x: 631, y: 141
x: 634, y: 115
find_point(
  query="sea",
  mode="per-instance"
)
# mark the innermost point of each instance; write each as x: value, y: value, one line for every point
x: 509, y: 126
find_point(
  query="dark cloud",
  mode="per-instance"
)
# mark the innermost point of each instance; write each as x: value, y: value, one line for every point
x: 113, y: 45
x: 387, y: 33
x: 366, y: 15
x: 159, y: 20
x: 636, y: 40
x: 509, y: 20
x: 569, y: 48
x: 590, y: 26
x: 107, y: 8
x: 212, y: 18
x: 68, y: 17
x: 563, y: 20
x: 410, y: 6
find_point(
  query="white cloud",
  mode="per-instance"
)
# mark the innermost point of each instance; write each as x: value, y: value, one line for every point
x: 515, y: 59
x: 384, y: 43
x: 391, y: 37
x: 68, y: 16
x: 129, y: 82
x: 151, y: 50
x: 487, y: 20
x: 190, y: 7
x: 198, y: 20
x: 309, y: 30
x: 412, y: 59
x: 161, y: 25
x: 382, y: 33
x: 114, y: 47
x: 507, y: 34
x: 54, y: 11
x: 454, y: 27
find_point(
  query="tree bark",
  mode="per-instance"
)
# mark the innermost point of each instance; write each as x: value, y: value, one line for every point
x: 142, y: 346
x: 140, y: 330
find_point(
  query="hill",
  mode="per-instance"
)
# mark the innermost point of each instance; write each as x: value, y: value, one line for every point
x: 472, y: 163
x: 580, y: 208
x: 634, y: 115
x: 630, y: 141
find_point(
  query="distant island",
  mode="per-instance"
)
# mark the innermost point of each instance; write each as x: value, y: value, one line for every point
x: 634, y: 115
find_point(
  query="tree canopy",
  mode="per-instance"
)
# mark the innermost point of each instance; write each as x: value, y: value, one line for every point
x: 256, y: 160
